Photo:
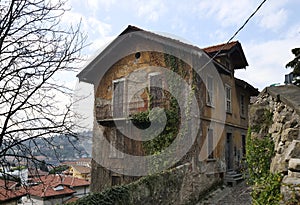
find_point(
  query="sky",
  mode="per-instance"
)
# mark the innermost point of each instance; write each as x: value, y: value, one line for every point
x: 267, y: 39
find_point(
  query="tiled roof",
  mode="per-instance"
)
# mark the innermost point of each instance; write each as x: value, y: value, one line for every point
x: 82, y: 169
x: 6, y: 194
x: 45, y: 190
x: 8, y: 191
x: 49, y: 184
x: 7, y: 184
x: 90, y: 73
x: 222, y: 47
x: 55, y: 180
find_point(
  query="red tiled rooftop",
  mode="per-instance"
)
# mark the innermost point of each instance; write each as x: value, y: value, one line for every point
x: 222, y: 47
x: 55, y: 180
x: 8, y: 191
x: 45, y: 190
x: 7, y: 184
x: 50, y: 182
x: 6, y: 194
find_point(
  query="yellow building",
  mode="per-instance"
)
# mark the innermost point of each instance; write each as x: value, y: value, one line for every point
x: 81, y: 172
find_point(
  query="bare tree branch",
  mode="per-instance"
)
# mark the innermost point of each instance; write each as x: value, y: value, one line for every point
x: 34, y: 49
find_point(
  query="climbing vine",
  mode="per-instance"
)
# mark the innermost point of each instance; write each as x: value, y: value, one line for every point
x: 163, y: 139
x: 260, y: 150
x: 112, y: 196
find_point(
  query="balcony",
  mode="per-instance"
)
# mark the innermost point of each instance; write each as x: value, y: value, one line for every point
x: 108, y: 112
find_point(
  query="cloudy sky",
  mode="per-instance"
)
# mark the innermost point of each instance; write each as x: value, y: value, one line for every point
x: 267, y: 39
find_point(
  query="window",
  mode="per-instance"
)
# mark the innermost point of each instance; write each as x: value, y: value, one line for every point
x: 115, y: 180
x: 210, y: 143
x: 156, y: 91
x: 210, y: 91
x: 118, y: 97
x: 228, y: 98
x: 117, y: 145
x: 242, y: 105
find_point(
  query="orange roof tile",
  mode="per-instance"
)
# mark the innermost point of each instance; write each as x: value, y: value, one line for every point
x: 55, y: 180
x: 222, y: 47
x: 45, y: 190
x: 50, y: 182
x: 8, y: 191
x: 6, y: 194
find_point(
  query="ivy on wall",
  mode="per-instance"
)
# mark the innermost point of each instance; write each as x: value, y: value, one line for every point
x: 112, y: 196
x: 163, y: 139
x: 260, y: 150
x: 172, y: 110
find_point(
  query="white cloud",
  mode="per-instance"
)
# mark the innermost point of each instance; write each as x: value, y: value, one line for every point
x: 267, y: 61
x: 293, y: 32
x: 219, y: 35
x: 89, y: 25
x: 151, y: 10
x: 226, y: 12
x: 273, y: 15
x: 95, y: 26
x: 92, y: 6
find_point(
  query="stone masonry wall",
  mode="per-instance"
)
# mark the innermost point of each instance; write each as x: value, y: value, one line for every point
x: 181, y: 185
x: 284, y: 131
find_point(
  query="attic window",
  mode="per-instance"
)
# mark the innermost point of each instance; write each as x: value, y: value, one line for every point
x: 58, y: 188
x: 137, y: 55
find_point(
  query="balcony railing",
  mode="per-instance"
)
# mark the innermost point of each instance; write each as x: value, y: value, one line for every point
x: 109, y: 112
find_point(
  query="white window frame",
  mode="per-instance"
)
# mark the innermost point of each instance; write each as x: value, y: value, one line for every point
x: 210, y: 91
x: 228, y: 99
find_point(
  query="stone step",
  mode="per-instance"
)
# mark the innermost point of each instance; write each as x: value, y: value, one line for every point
x: 233, y: 175
x: 231, y: 172
x: 232, y: 178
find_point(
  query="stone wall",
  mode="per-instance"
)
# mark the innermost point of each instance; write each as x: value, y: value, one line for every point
x: 284, y: 129
x: 181, y: 185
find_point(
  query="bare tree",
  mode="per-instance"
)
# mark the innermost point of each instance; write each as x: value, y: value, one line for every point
x: 35, y: 48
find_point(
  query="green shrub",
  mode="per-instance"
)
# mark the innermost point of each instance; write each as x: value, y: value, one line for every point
x: 266, y: 185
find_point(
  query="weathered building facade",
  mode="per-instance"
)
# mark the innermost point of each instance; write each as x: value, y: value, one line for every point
x: 133, y: 75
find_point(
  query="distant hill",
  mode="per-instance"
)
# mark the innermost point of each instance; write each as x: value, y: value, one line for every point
x: 60, y: 148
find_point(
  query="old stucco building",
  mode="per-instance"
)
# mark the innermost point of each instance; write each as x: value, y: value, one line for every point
x: 131, y: 76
